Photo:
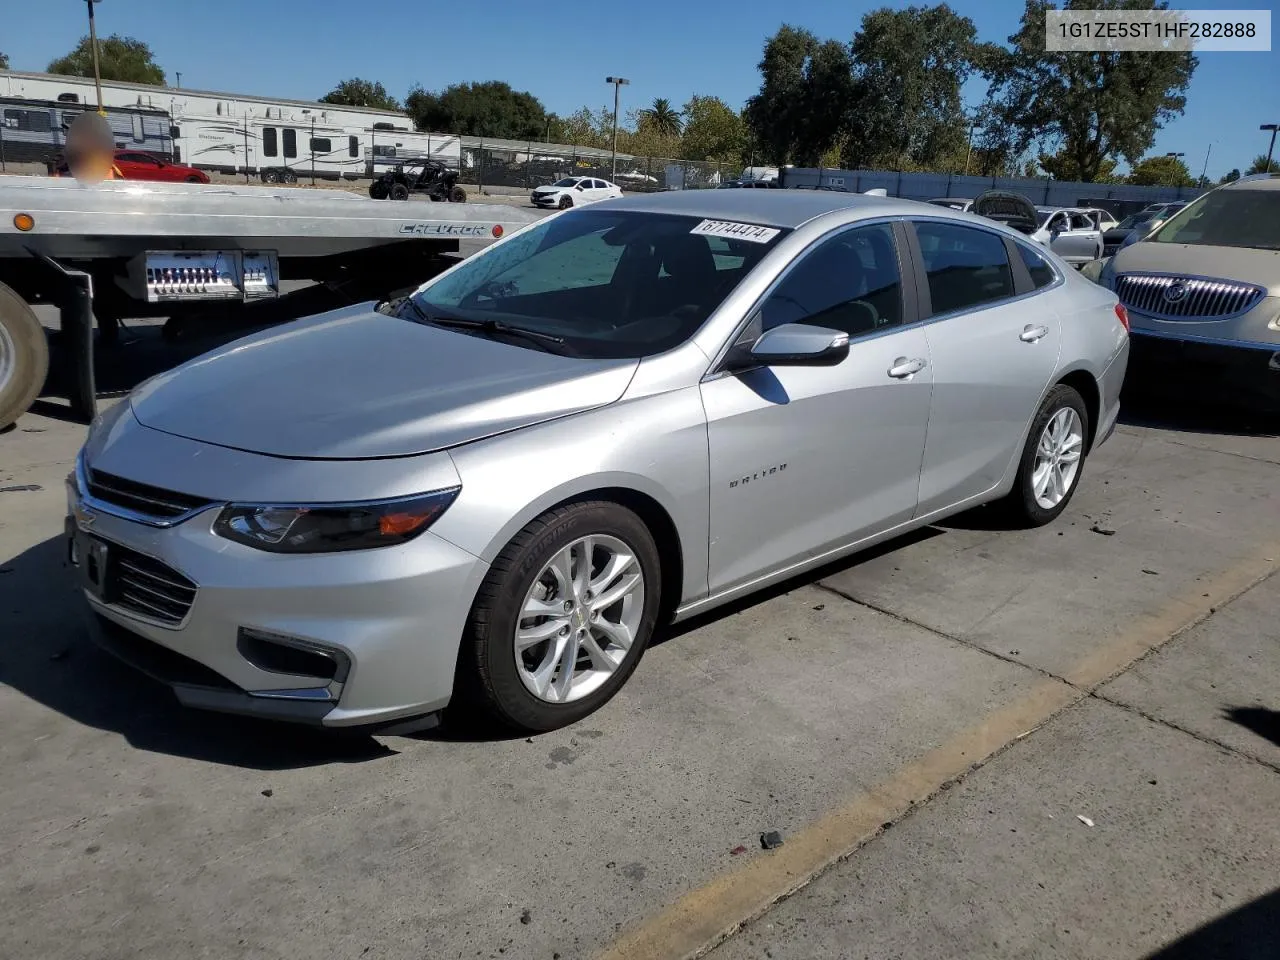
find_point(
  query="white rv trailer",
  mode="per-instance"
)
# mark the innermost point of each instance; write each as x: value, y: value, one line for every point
x: 278, y: 150
x: 179, y: 101
x: 34, y: 131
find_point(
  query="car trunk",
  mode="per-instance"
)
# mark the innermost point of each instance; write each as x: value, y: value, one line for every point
x: 1012, y: 209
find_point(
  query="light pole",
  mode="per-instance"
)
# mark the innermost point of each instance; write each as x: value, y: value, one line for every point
x: 617, y: 82
x: 1272, y: 127
x: 93, y: 43
x: 179, y: 78
x: 1206, y: 165
x: 1174, y: 156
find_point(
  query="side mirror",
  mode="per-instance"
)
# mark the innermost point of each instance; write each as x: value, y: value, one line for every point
x: 800, y: 345
x: 580, y: 187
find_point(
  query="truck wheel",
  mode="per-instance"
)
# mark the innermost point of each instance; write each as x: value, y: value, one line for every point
x: 24, y: 357
x: 457, y: 195
x: 399, y: 191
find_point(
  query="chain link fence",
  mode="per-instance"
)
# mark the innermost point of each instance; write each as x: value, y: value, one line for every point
x: 524, y: 166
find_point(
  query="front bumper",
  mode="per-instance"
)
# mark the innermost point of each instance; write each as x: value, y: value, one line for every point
x: 1236, y: 364
x: 197, y: 611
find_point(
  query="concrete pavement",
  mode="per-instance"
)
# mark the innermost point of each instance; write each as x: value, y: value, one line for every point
x: 132, y: 828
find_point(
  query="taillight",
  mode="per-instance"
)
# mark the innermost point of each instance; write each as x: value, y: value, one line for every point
x: 1123, y: 316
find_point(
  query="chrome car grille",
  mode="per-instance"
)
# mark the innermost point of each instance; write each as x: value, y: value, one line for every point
x: 151, y: 589
x: 1186, y: 298
x: 142, y: 498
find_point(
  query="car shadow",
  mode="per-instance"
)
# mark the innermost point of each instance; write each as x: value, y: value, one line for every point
x: 1260, y: 720
x: 47, y: 656
x: 672, y: 631
x: 1190, y: 407
x: 1251, y: 932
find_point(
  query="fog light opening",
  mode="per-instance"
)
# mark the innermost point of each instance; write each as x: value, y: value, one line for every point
x: 293, y: 656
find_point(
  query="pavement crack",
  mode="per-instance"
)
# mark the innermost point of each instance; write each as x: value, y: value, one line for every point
x: 1047, y: 674
x: 1193, y: 734
x: 1225, y: 453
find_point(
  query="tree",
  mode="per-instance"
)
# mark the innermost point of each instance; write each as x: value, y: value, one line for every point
x: 489, y: 109
x: 119, y: 58
x: 1259, y: 165
x: 908, y: 67
x: 361, y: 93
x: 1093, y: 106
x: 712, y: 131
x: 663, y: 118
x: 1161, y: 172
x: 1231, y: 177
x: 1063, y: 166
x: 806, y: 86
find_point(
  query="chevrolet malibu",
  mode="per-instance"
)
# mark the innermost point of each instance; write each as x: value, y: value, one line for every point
x: 491, y: 492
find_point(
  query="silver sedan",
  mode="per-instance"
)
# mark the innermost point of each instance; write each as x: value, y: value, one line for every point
x: 490, y: 493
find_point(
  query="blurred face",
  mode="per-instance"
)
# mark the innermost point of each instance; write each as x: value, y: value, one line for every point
x: 90, y: 148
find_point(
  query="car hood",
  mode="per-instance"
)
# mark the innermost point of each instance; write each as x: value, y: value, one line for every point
x: 1193, y: 260
x: 358, y: 384
x: 552, y: 189
x: 1006, y: 207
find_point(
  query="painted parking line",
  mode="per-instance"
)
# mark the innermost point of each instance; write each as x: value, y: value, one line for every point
x: 704, y: 917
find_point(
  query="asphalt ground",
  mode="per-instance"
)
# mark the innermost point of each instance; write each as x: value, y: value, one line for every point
x: 924, y: 726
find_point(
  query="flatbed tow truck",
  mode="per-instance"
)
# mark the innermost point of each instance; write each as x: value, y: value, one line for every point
x: 196, y: 253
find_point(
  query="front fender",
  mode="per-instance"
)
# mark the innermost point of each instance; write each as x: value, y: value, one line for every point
x: 654, y: 445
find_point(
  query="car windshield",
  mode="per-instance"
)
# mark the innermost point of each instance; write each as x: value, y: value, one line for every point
x: 1044, y: 216
x: 1133, y: 220
x: 611, y: 284
x: 1226, y: 218
x: 566, y: 182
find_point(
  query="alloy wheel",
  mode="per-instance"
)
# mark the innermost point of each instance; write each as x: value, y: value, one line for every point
x: 1057, y: 462
x: 579, y: 619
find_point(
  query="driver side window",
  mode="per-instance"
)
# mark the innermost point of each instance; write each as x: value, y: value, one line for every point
x: 848, y: 282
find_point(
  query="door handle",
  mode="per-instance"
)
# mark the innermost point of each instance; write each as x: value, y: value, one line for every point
x: 1031, y: 333
x: 904, y: 368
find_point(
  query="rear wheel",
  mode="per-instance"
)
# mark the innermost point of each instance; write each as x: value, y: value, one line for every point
x: 457, y: 195
x: 270, y: 176
x: 194, y: 179
x: 24, y: 357
x: 399, y: 192
x: 565, y: 203
x: 1052, y: 460
x: 378, y: 190
x: 563, y: 617
x: 288, y: 176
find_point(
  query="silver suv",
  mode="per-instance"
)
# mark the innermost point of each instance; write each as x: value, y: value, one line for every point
x: 1205, y: 285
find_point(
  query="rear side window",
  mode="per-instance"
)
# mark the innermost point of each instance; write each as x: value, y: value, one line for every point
x: 966, y: 267
x: 353, y: 146
x: 1041, y: 273
x: 270, y: 147
x: 290, y: 142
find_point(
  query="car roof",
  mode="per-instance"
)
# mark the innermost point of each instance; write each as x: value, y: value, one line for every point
x: 775, y: 208
x: 1255, y: 181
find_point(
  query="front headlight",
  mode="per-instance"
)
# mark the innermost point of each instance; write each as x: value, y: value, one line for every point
x: 332, y: 528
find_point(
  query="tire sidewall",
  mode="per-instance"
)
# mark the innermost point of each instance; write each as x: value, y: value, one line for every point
x: 494, y: 632
x: 565, y: 203
x: 32, y: 348
x: 1059, y: 397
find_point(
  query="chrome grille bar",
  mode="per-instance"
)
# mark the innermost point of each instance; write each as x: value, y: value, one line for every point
x: 1186, y: 298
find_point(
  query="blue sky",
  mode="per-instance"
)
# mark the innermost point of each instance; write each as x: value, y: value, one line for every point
x: 265, y: 47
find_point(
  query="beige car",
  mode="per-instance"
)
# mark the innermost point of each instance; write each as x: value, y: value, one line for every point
x: 1205, y: 286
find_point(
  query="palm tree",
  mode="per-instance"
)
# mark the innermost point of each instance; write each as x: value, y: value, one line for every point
x: 663, y: 118
x: 1259, y: 165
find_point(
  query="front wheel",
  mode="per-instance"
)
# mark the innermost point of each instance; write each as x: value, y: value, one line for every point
x: 562, y: 618
x: 399, y: 192
x: 566, y: 203
x: 457, y: 195
x: 1052, y: 459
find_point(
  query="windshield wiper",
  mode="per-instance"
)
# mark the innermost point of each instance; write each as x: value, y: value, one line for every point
x: 492, y: 328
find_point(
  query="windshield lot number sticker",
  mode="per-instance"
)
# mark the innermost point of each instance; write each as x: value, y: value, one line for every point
x: 735, y: 231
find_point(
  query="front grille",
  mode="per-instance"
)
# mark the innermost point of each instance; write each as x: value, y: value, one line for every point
x: 142, y: 498
x: 149, y: 588
x: 1186, y: 298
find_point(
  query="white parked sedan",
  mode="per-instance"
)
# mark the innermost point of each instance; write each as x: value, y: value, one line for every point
x: 574, y: 192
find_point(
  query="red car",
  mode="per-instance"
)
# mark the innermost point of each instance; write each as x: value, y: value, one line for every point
x: 137, y: 165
